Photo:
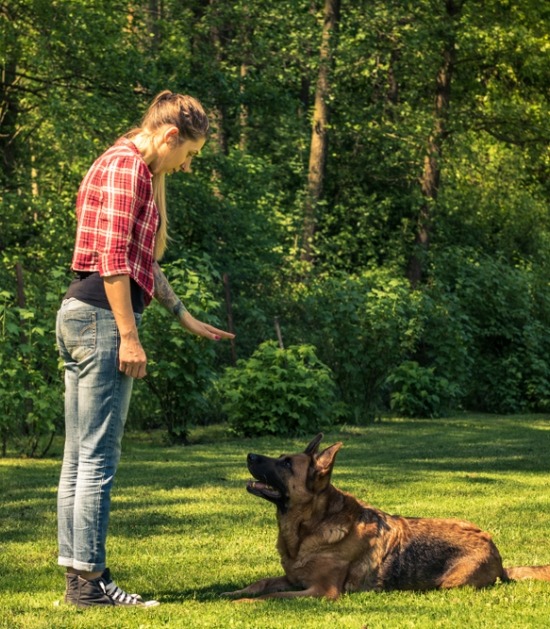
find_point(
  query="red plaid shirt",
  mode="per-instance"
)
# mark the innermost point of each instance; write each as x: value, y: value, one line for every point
x: 117, y: 217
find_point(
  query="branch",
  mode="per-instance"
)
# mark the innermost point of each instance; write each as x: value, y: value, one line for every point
x: 69, y: 80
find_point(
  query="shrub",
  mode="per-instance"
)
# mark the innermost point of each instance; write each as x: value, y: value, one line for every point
x: 278, y: 392
x: 506, y: 311
x: 417, y: 391
x: 31, y: 385
x: 363, y: 327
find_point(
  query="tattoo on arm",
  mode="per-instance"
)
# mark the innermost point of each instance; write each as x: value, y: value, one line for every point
x: 165, y: 295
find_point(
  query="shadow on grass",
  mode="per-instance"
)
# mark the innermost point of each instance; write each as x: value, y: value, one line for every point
x: 467, y: 445
x: 214, y: 595
x: 204, y: 595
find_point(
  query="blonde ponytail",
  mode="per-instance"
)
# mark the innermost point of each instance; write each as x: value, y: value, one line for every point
x: 159, y: 194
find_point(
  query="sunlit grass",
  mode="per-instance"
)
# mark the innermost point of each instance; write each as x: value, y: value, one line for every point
x: 183, y: 529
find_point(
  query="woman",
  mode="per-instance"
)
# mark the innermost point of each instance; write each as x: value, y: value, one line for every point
x: 121, y: 235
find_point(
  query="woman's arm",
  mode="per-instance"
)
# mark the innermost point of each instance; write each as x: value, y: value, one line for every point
x: 132, y: 358
x: 165, y: 295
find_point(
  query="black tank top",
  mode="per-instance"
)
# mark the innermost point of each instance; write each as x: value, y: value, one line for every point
x: 89, y: 288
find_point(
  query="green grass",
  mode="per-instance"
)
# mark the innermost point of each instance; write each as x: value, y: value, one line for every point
x: 183, y: 528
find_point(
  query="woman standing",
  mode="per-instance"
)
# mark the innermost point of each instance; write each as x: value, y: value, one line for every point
x: 121, y: 236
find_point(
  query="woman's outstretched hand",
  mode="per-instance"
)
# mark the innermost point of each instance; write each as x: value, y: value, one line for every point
x: 204, y: 329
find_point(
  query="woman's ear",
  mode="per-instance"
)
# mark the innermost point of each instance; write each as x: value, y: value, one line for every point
x: 171, y: 135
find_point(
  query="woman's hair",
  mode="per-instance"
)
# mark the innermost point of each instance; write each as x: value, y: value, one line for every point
x: 187, y: 114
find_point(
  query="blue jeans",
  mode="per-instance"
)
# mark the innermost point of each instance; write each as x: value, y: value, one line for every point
x: 97, y: 397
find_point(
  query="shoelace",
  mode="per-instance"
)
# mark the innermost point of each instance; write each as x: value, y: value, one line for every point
x: 119, y: 595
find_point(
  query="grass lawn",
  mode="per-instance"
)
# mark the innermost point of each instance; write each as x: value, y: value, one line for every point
x: 184, y: 529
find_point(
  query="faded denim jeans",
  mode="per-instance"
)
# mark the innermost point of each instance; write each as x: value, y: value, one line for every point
x: 97, y: 397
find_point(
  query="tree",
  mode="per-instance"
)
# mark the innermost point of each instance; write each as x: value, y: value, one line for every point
x: 319, y: 131
x: 431, y: 172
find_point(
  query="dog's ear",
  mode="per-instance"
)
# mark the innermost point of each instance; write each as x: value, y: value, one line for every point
x: 325, y: 460
x: 313, y: 445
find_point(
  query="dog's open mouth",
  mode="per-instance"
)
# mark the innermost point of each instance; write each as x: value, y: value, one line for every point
x: 263, y: 490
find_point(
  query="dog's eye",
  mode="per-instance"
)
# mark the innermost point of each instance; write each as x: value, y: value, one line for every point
x: 285, y: 462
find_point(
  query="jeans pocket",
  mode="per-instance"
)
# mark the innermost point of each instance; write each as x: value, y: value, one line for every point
x: 79, y: 333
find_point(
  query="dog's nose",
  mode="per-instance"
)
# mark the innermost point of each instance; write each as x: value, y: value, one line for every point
x: 251, y: 458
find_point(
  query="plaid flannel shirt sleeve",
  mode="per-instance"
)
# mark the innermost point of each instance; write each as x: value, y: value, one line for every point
x: 119, y: 187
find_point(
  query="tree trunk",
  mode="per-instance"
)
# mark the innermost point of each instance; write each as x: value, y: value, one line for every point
x: 154, y: 15
x: 218, y: 112
x: 246, y: 37
x: 207, y: 43
x: 319, y: 137
x: 243, y: 112
x: 431, y: 173
x: 9, y: 105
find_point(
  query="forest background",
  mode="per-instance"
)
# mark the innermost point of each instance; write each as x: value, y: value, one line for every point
x: 370, y: 214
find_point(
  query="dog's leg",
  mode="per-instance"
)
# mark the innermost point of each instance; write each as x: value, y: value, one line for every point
x: 316, y: 591
x: 473, y: 571
x: 263, y: 586
x: 280, y: 587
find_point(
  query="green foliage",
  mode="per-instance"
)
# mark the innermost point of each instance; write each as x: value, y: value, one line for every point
x: 279, y: 392
x: 362, y: 326
x: 417, y: 391
x: 492, y: 202
x: 79, y: 73
x: 505, y: 313
x: 180, y: 366
x: 240, y: 228
x: 476, y: 337
x: 31, y: 386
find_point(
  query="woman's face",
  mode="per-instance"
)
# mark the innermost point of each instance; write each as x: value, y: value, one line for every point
x: 174, y: 156
x: 181, y: 156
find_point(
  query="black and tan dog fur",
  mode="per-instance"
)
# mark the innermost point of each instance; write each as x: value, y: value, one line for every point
x: 331, y: 543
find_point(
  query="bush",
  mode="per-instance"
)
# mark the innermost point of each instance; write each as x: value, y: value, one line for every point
x: 506, y: 312
x: 363, y: 327
x: 279, y: 392
x: 418, y: 392
x: 31, y: 385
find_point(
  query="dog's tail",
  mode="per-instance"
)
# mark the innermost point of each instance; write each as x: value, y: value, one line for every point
x: 540, y: 573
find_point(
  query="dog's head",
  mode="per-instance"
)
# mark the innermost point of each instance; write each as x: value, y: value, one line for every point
x: 293, y: 479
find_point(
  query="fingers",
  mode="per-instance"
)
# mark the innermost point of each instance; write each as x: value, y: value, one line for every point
x: 133, y: 370
x: 132, y: 360
x: 216, y: 335
x: 205, y: 329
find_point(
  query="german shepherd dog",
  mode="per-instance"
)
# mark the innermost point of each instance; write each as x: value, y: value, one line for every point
x: 330, y: 542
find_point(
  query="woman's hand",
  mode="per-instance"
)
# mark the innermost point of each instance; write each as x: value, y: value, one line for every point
x: 131, y: 356
x: 203, y: 329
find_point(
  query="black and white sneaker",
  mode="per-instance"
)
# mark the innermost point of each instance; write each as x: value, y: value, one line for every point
x: 102, y: 591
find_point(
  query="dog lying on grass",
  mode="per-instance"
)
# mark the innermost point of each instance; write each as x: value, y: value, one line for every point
x: 330, y: 542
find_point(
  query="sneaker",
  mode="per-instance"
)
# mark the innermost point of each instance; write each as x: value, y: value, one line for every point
x: 102, y: 591
x: 71, y: 587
